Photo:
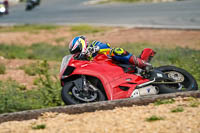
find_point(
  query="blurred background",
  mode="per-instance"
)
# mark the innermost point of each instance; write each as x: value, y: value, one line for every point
x: 140, y: 13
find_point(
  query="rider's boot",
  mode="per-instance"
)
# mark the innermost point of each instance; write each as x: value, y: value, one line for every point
x: 138, y: 62
x: 143, y: 60
x: 147, y: 54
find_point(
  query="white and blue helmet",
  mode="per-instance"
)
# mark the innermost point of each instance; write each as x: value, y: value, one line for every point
x: 78, y: 45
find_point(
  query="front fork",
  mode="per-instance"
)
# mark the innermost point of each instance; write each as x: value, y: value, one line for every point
x: 82, y: 84
x: 85, y: 86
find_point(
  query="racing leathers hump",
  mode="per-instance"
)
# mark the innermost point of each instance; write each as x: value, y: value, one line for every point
x: 121, y: 55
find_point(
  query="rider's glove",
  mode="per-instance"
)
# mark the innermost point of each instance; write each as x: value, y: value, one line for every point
x: 93, y: 49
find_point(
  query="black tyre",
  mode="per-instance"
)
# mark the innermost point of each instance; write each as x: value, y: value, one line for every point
x: 69, y: 95
x: 188, y: 83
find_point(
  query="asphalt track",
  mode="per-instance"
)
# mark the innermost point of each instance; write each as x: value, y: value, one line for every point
x: 180, y: 14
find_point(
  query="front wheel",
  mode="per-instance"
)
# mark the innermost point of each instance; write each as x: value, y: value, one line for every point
x: 185, y: 79
x: 71, y: 95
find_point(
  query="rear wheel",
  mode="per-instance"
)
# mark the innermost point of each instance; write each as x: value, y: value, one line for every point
x: 185, y: 79
x: 72, y: 95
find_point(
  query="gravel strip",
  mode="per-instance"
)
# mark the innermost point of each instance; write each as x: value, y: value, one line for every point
x: 126, y: 119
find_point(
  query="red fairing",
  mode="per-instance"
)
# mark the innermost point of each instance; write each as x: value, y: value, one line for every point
x: 116, y: 82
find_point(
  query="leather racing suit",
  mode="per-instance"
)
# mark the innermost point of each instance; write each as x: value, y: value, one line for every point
x: 121, y: 55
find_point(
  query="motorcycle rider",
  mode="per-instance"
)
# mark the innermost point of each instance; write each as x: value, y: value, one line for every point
x: 80, y: 47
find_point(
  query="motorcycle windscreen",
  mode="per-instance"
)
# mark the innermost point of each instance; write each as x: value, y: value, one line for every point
x: 65, y: 62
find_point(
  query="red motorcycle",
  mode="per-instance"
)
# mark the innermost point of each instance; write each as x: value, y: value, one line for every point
x: 100, y: 79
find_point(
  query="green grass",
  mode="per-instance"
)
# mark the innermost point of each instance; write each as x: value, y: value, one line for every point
x: 40, y: 51
x: 15, y: 97
x: 178, y: 109
x: 2, y: 69
x: 30, y: 69
x: 154, y: 118
x: 86, y: 29
x: 76, y: 29
x: 61, y: 39
x: 48, y: 52
x: 12, y: 51
x: 194, y: 102
x: 41, y: 126
x: 28, y: 28
x: 166, y: 101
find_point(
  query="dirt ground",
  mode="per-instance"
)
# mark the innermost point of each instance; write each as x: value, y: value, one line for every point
x: 119, y: 120
x: 115, y: 36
